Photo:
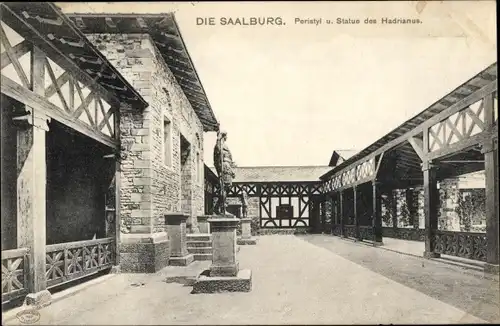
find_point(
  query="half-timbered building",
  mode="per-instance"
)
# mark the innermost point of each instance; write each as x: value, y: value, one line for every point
x: 279, y: 197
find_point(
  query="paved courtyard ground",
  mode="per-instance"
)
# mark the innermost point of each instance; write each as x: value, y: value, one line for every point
x: 309, y: 279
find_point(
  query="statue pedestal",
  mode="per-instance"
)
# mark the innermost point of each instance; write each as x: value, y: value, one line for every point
x: 224, y: 274
x: 246, y: 233
x: 203, y: 224
x: 176, y: 230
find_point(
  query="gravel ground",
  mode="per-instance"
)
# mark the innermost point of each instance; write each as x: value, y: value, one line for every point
x: 295, y: 281
x: 464, y: 289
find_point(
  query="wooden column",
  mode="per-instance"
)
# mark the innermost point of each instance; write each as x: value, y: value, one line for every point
x: 431, y: 199
x: 31, y: 187
x: 356, y: 217
x: 341, y: 215
x: 377, y: 213
x: 490, y: 150
x: 118, y: 220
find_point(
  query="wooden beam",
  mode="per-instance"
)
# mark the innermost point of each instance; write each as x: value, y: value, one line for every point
x: 488, y: 89
x: 18, y: 51
x: 11, y: 54
x: 418, y: 147
x: 460, y: 146
x: 17, y: 92
x: 54, y: 53
x: 109, y: 22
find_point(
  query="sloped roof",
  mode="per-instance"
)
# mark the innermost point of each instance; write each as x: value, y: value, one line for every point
x: 395, y: 137
x: 47, y: 27
x: 165, y: 33
x: 279, y: 173
x: 341, y: 153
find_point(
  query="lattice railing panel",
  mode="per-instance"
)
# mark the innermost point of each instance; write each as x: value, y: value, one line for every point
x: 462, y: 125
x: 461, y: 244
x: 15, y: 267
x: 350, y: 231
x: 68, y: 261
x: 336, y: 230
x: 366, y: 232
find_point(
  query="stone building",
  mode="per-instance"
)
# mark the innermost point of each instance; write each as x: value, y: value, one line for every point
x: 162, y: 147
x: 103, y: 120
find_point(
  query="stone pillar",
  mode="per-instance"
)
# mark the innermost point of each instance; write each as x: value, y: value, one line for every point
x: 341, y: 215
x: 203, y: 225
x: 224, y: 246
x: 246, y: 232
x: 176, y: 230
x: 431, y: 201
x: 356, y: 217
x: 394, y: 210
x: 377, y: 213
x: 490, y: 150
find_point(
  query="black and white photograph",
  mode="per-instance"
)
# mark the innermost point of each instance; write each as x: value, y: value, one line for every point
x: 249, y: 163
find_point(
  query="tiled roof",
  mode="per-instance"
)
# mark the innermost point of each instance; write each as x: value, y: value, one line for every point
x: 279, y: 173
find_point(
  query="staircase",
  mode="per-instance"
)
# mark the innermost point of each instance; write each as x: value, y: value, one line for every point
x: 200, y: 245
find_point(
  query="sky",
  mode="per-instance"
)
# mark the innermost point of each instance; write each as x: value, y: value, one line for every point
x: 291, y: 94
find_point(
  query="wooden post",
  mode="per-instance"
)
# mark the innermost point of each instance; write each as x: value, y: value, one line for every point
x: 356, y: 217
x: 31, y: 188
x: 118, y: 221
x: 490, y: 150
x: 341, y: 215
x: 430, y: 209
x: 377, y: 213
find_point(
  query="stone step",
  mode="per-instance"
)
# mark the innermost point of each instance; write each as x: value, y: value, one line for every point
x: 196, y: 244
x: 200, y: 250
x: 202, y: 256
x: 199, y: 237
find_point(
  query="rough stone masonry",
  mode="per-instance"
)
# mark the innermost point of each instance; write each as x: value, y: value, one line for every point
x: 151, y: 170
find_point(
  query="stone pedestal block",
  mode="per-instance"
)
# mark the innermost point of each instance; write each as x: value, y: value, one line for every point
x: 176, y: 230
x: 203, y: 224
x: 246, y: 233
x: 39, y: 300
x: 143, y: 253
x: 224, y: 246
x: 224, y: 274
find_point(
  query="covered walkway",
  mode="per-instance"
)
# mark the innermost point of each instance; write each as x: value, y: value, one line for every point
x: 306, y: 279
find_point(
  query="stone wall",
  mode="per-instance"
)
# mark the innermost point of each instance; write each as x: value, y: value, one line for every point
x: 151, y: 188
x: 450, y: 217
x: 150, y: 183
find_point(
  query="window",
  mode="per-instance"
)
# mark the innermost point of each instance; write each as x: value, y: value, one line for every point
x: 284, y: 211
x: 198, y: 167
x: 167, y: 142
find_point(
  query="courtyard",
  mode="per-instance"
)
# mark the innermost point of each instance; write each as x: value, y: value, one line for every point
x: 317, y: 279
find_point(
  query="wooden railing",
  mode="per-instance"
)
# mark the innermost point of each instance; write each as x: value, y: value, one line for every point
x: 461, y: 244
x: 366, y: 232
x: 350, y: 231
x: 337, y: 230
x: 72, y: 260
x: 15, y: 270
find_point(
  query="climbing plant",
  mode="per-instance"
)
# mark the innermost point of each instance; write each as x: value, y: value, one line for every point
x: 471, y: 204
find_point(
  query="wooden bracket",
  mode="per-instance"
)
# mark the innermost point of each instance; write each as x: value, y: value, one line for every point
x: 418, y: 147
